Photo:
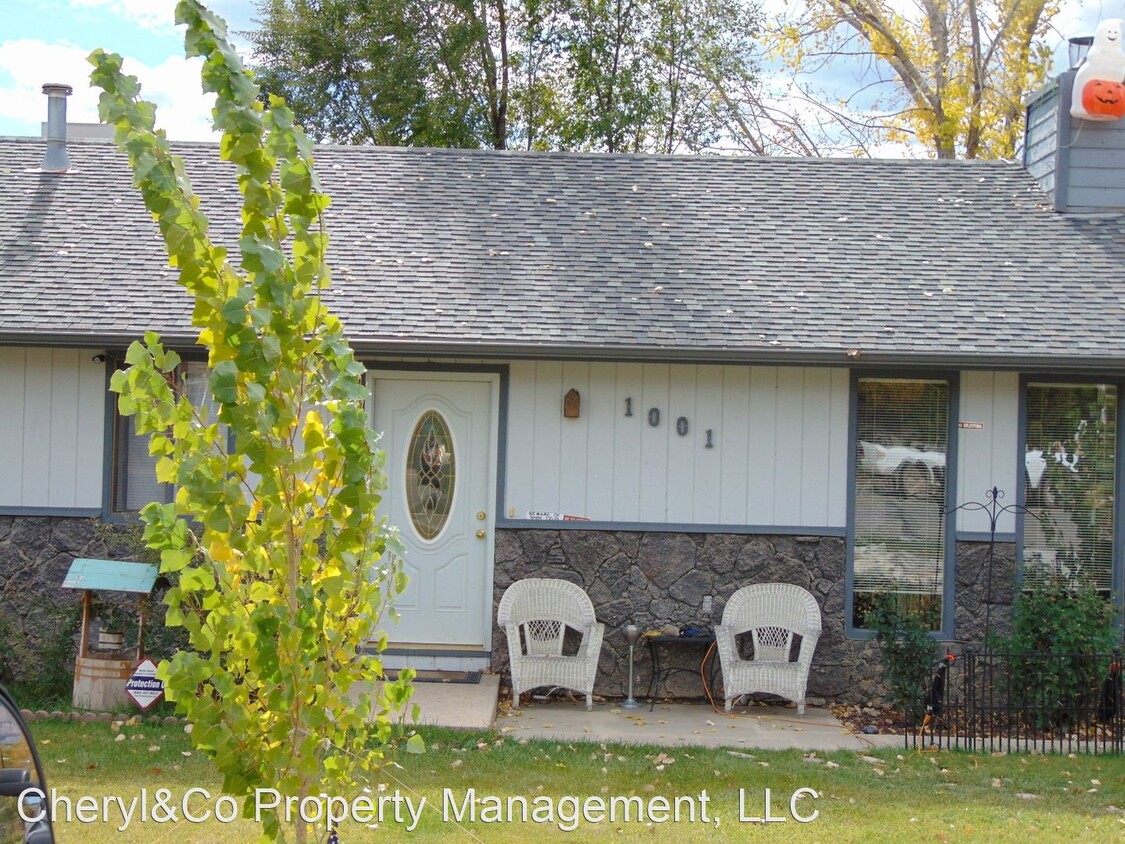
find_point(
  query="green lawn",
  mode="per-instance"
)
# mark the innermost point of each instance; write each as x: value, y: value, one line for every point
x: 948, y: 796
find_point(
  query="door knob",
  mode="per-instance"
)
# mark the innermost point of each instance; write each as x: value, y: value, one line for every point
x: 481, y: 516
x: 480, y: 534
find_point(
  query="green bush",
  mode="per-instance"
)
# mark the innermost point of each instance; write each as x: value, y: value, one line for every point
x: 906, y: 652
x: 43, y: 676
x: 1071, y: 621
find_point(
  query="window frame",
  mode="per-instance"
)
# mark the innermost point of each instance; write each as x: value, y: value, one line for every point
x: 949, y: 573
x: 1117, y: 576
x: 115, y: 360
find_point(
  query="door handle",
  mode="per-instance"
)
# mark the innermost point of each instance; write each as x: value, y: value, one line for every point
x: 480, y: 534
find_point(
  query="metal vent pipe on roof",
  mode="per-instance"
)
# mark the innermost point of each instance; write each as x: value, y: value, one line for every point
x: 55, y: 160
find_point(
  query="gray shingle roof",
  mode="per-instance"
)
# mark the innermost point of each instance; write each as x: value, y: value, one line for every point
x: 480, y: 252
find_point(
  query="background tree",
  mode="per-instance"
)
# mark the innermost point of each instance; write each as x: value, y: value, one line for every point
x: 392, y: 72
x: 954, y: 72
x: 610, y: 75
x: 282, y: 568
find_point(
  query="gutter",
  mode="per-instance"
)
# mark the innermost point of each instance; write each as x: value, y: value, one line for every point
x: 429, y: 349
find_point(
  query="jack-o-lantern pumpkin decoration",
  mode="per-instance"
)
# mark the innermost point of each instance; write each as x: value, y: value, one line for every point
x: 1103, y: 99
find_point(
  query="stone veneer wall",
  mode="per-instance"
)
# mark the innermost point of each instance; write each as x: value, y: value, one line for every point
x: 646, y: 578
x: 35, y: 555
x: 658, y: 578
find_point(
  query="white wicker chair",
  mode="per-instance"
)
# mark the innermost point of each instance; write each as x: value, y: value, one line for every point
x: 772, y: 613
x: 541, y: 609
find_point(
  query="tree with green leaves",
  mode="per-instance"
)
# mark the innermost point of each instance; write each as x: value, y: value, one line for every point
x: 603, y: 75
x: 281, y: 569
x: 954, y: 74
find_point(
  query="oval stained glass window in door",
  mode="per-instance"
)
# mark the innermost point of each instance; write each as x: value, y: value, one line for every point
x: 431, y: 472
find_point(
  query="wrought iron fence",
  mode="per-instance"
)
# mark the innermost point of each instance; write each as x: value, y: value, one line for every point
x: 999, y: 700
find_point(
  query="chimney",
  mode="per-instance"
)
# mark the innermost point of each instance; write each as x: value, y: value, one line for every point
x: 1079, y: 161
x: 56, y: 160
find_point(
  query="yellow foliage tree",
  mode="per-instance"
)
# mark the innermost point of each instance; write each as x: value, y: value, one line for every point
x: 958, y: 69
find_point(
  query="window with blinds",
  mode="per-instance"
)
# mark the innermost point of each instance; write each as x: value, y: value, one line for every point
x: 1069, y: 480
x: 899, y: 532
x: 134, y: 481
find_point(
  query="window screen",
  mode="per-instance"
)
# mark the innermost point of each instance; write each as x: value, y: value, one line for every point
x: 1069, y: 482
x: 902, y: 431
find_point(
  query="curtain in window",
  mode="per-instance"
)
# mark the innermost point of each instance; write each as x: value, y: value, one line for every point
x: 1069, y: 483
x: 899, y: 534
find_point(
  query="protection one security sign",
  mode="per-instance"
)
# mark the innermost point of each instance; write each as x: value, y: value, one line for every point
x: 143, y: 687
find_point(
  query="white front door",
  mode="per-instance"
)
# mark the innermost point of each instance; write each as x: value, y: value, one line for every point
x: 439, y: 434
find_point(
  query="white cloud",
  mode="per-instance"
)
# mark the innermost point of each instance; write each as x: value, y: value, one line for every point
x: 183, y: 111
x: 152, y: 15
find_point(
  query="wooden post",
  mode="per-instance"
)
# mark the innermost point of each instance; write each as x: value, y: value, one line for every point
x: 84, y: 640
x: 142, y: 603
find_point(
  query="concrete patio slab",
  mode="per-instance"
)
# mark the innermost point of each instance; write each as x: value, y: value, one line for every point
x: 686, y: 724
x: 463, y: 706
x: 468, y: 706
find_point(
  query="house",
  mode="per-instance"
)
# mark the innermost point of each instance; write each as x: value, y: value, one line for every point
x: 660, y: 377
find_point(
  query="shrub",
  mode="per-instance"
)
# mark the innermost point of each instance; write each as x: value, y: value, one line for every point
x: 42, y: 676
x: 1063, y: 634
x: 906, y: 652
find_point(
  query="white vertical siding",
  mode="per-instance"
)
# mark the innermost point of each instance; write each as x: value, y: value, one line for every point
x: 988, y: 457
x: 707, y: 494
x: 626, y: 476
x: 779, y: 435
x: 761, y: 448
x: 600, y: 420
x: 52, y: 418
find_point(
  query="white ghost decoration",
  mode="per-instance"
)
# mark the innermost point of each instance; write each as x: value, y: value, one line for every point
x: 1105, y: 63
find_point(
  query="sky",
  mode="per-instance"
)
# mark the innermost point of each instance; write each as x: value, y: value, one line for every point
x: 48, y: 41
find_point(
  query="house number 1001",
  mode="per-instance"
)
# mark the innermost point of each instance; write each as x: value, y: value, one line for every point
x: 682, y: 425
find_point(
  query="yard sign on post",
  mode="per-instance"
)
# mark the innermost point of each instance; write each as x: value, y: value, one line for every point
x: 143, y: 688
